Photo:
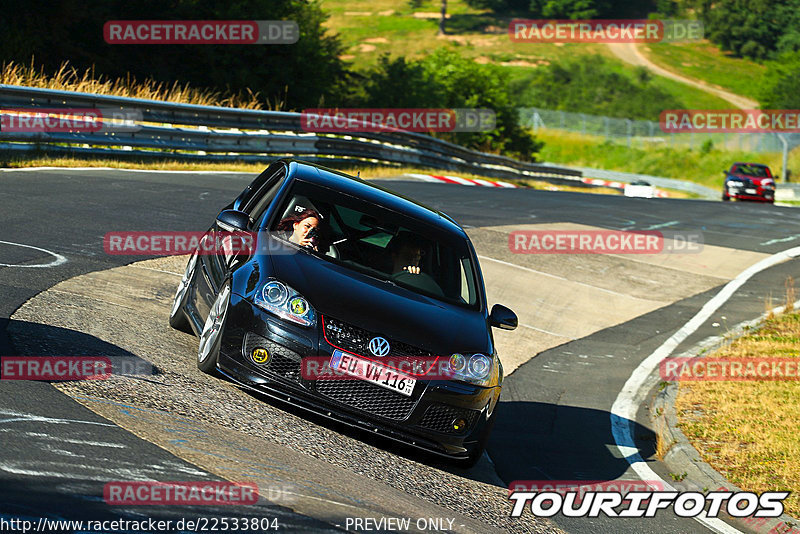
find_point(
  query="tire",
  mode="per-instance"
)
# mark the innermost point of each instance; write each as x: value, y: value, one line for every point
x: 211, y: 336
x: 725, y: 198
x: 177, y: 316
x: 476, y: 453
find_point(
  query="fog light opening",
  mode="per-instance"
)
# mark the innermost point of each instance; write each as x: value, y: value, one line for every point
x: 260, y: 355
x: 459, y: 424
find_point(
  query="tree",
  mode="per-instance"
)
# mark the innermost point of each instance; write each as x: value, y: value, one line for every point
x: 779, y: 89
x: 445, y: 79
x: 569, y: 9
x: 757, y: 29
x: 593, y: 87
x: 443, y: 18
x: 300, y: 73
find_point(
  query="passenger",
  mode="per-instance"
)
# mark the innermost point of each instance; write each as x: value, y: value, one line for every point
x: 304, y: 227
x: 407, y: 251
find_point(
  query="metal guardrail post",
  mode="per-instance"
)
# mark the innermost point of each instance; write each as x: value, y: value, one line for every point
x: 785, y: 161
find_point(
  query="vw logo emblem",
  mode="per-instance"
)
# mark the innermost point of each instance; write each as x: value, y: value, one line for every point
x: 379, y: 346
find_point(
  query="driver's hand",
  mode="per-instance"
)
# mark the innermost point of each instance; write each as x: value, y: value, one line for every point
x: 413, y: 269
x: 306, y: 242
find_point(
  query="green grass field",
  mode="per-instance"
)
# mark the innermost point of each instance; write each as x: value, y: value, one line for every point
x: 369, y: 29
x: 654, y: 159
x: 706, y: 62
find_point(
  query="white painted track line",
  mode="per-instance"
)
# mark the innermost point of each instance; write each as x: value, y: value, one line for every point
x: 59, y: 259
x: 623, y: 411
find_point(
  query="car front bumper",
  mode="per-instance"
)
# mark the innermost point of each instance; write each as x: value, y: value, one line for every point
x: 423, y: 420
x: 760, y: 194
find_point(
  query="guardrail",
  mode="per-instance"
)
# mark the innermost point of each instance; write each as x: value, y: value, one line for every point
x: 784, y: 191
x: 188, y: 131
x: 669, y: 183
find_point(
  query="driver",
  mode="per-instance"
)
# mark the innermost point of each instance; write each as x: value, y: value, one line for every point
x: 303, y: 227
x: 406, y: 250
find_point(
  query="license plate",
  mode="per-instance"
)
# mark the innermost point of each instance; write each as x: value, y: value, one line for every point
x: 372, y: 372
x: 750, y: 191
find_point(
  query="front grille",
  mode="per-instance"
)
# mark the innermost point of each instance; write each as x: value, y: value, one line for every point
x: 368, y: 397
x: 439, y: 417
x: 284, y: 362
x: 356, y: 339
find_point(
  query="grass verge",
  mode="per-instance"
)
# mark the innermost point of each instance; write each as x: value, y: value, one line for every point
x: 748, y: 430
x: 706, y: 62
x: 68, y: 78
x: 694, y: 165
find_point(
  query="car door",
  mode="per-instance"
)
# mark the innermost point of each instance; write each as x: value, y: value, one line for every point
x: 223, y: 251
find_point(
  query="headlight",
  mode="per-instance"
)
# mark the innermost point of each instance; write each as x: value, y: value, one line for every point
x: 480, y: 366
x: 458, y: 363
x: 476, y: 369
x: 275, y: 293
x: 280, y: 299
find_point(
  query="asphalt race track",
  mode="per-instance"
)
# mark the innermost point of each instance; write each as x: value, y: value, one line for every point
x: 589, y: 322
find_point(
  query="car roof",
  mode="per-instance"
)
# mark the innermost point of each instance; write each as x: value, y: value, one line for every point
x: 752, y: 164
x: 351, y: 185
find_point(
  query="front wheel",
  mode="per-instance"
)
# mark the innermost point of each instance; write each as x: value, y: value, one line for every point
x: 177, y: 316
x: 211, y: 337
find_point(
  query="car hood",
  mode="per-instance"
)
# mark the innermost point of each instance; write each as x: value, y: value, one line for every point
x: 381, y: 307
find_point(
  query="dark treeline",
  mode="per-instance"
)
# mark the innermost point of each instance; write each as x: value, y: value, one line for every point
x: 306, y: 74
x: 756, y: 29
x: 299, y: 74
x: 593, y: 87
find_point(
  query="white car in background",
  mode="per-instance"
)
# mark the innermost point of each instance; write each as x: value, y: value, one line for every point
x: 640, y: 189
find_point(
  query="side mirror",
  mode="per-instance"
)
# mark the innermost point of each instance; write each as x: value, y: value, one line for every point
x: 233, y: 221
x: 503, y: 318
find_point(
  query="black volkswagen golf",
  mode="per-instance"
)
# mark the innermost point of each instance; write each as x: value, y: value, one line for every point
x: 350, y: 301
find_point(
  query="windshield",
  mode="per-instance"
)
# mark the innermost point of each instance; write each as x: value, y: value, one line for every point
x: 379, y: 242
x: 757, y: 171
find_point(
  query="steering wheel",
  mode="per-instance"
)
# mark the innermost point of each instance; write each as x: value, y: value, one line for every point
x: 422, y: 281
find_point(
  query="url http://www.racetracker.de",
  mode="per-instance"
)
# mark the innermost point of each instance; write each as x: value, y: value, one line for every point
x: 198, y: 524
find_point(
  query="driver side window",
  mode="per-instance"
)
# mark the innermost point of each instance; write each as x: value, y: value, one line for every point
x: 264, y: 197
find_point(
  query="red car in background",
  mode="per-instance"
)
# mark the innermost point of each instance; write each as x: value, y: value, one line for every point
x: 749, y: 181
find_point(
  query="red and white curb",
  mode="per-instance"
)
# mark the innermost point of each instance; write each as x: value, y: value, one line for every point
x: 617, y: 185
x: 460, y: 181
x: 603, y: 183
